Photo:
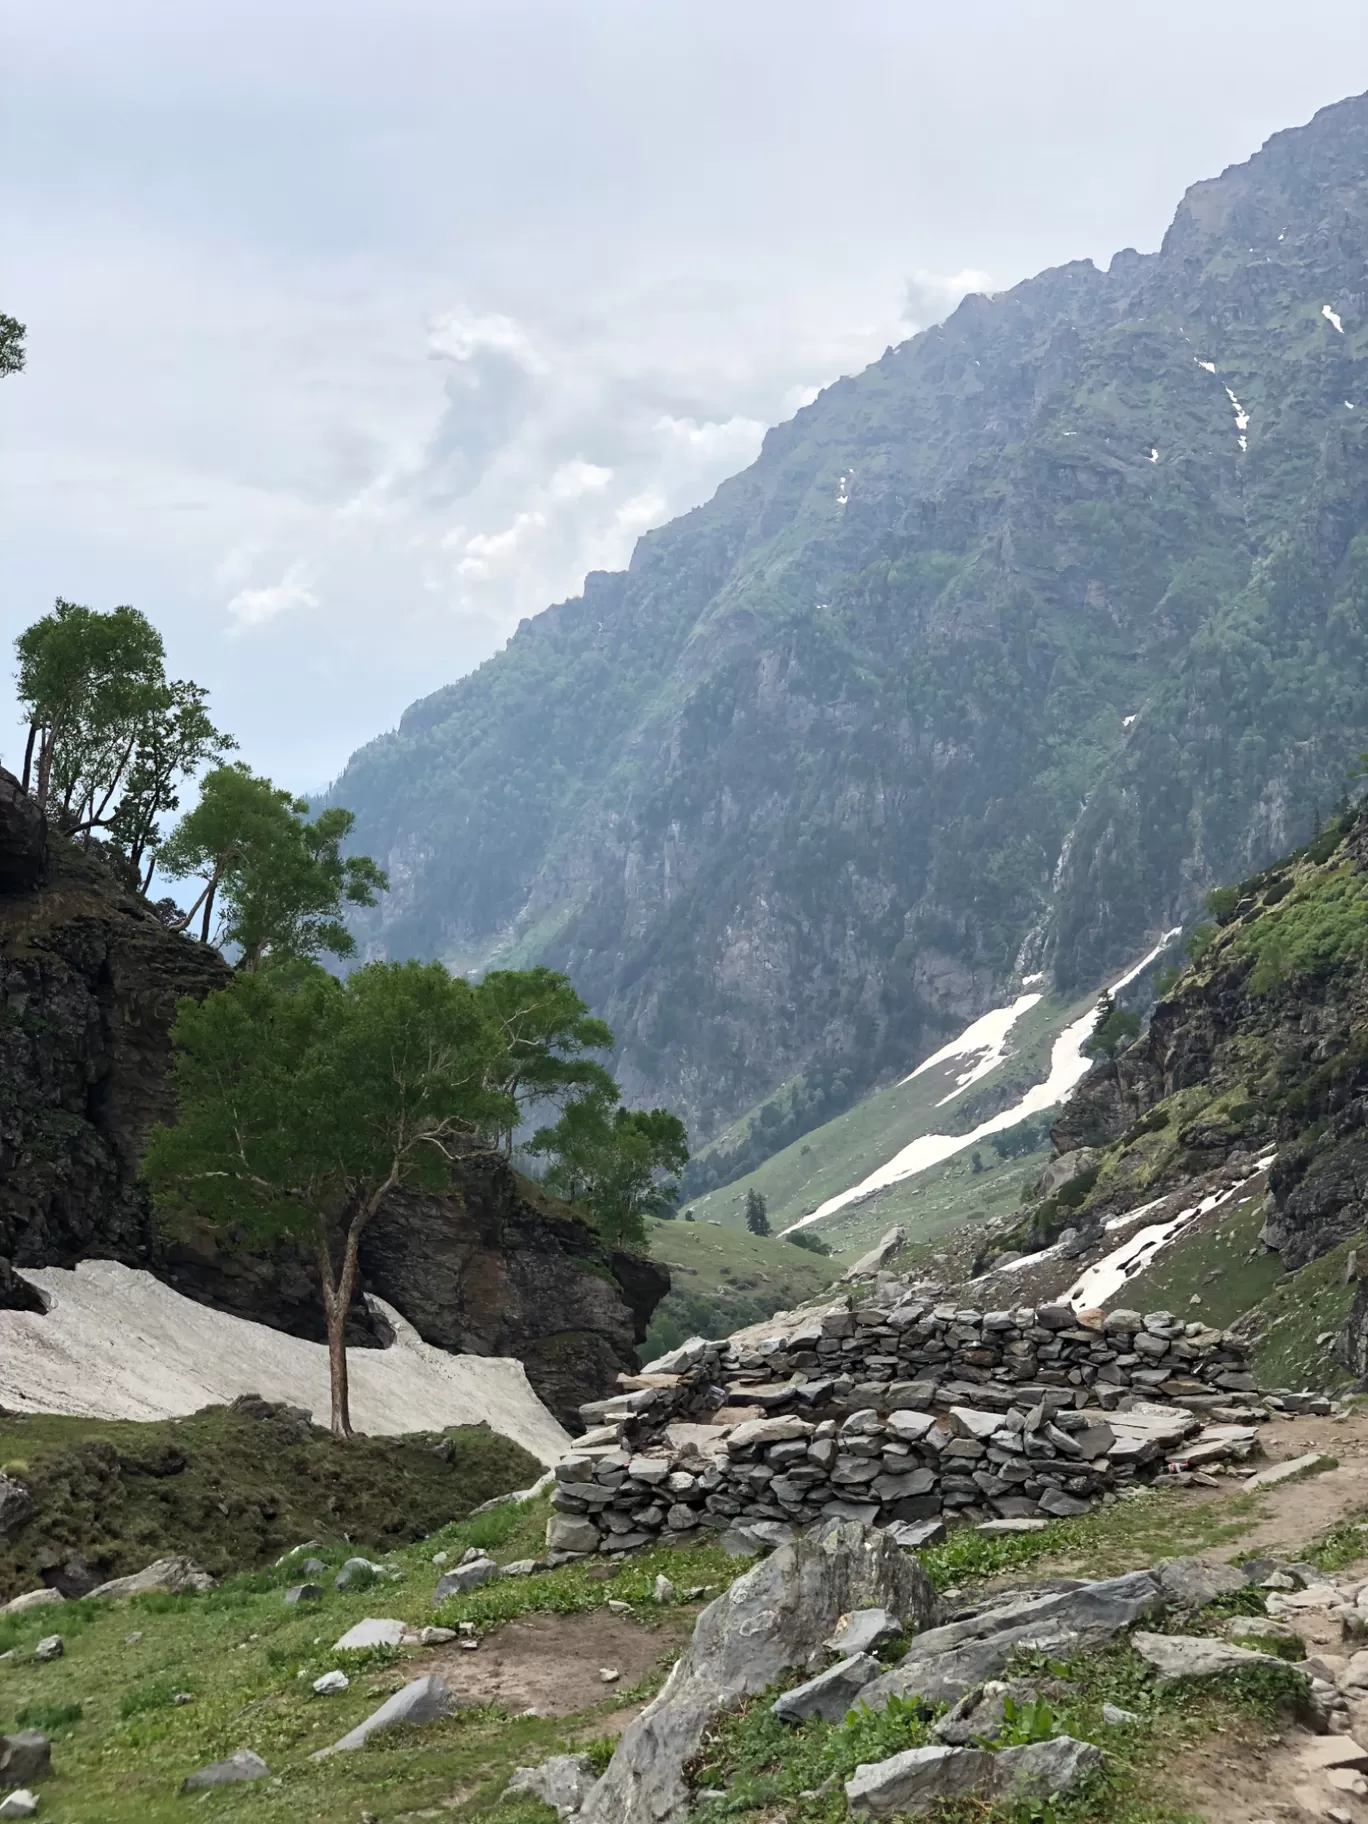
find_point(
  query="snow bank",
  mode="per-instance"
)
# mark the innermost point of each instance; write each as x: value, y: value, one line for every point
x: 116, y: 1343
x: 1068, y: 1066
x: 985, y: 1040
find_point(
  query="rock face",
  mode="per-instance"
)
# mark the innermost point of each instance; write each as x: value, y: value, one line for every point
x: 89, y: 981
x: 494, y: 1268
x: 772, y: 1619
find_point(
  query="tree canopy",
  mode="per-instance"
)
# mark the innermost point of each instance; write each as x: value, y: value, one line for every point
x: 11, y: 346
x: 545, y: 1030
x: 757, y: 1213
x: 620, y: 1165
x: 280, y: 883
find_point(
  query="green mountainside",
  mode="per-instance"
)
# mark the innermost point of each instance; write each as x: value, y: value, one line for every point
x: 998, y: 656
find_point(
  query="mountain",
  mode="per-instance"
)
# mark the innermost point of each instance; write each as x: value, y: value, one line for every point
x: 999, y: 655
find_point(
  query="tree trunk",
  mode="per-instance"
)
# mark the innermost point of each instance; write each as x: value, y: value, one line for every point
x: 337, y: 1296
x: 208, y: 910
x: 28, y: 756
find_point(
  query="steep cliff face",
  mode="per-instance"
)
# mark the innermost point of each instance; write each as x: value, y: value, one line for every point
x: 1261, y: 1047
x: 1000, y: 654
x: 89, y: 980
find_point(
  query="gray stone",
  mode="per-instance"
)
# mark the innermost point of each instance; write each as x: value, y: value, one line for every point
x: 770, y: 1620
x: 16, y: 1504
x: 568, y: 1533
x: 465, y: 1577
x: 51, y: 1646
x: 1020, y: 1524
x: 26, y: 1755
x: 435, y: 1637
x: 240, y: 1767
x: 521, y: 1567
x: 831, y: 1695
x: 563, y: 1782
x: 373, y: 1631
x: 913, y: 1535
x: 31, y: 1599
x: 1189, y: 1583
x: 21, y: 1803
x: 863, y: 1630
x: 163, y: 1575
x: 943, y: 1663
x: 1066, y: 1507
x: 879, y: 1255
x: 331, y: 1683
x: 1307, y: 1465
x: 915, y: 1779
x: 1039, y: 1769
x: 1116, y: 1717
x: 302, y: 1592
x: 424, y: 1700
x: 1178, y: 1656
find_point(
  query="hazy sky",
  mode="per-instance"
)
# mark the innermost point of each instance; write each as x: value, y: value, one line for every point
x: 359, y: 329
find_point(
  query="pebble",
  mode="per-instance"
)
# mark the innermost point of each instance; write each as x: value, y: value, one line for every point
x: 331, y: 1682
x: 609, y: 1674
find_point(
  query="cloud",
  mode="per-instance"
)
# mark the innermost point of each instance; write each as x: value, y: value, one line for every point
x: 465, y: 338
x: 254, y: 607
x: 929, y: 297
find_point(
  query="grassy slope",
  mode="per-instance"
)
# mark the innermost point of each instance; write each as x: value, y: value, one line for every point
x: 725, y: 1279
x: 124, y: 1745
x: 230, y: 1490
x: 845, y: 1150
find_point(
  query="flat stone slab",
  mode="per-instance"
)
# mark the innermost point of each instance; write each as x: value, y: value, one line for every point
x: 241, y: 1766
x: 1307, y: 1465
x: 31, y: 1599
x: 372, y: 1632
x: 831, y: 1695
x: 916, y: 1778
x: 1179, y: 1656
x: 862, y: 1630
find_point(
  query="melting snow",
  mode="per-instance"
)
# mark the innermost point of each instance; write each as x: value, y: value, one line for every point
x: 1348, y: 405
x: 1241, y: 415
x: 1126, y: 721
x: 843, y: 490
x: 115, y: 1343
x: 1154, y: 455
x: 1029, y: 981
x: 1210, y: 366
x: 1068, y: 1067
x: 1105, y: 1278
x: 1332, y: 317
x: 985, y: 1040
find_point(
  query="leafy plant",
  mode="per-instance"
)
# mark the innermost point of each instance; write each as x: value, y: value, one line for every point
x: 1032, y: 1720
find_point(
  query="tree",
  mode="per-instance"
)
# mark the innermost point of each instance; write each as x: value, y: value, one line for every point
x: 11, y: 346
x: 280, y: 883
x: 546, y: 1030
x: 303, y: 1102
x: 757, y: 1215
x: 110, y: 738
x: 1116, y: 1028
x: 618, y: 1164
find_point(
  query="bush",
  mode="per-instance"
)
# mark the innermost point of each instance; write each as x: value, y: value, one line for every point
x: 804, y: 1238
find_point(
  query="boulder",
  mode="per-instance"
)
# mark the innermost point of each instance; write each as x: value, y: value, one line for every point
x: 51, y: 1646
x: 21, y: 1803
x: 1037, y: 1770
x: 863, y: 1630
x: 913, y: 1535
x: 424, y: 1700
x: 831, y: 1695
x: 568, y: 1533
x: 1179, y: 1656
x: 165, y: 1575
x: 302, y: 1592
x: 878, y: 1256
x: 563, y: 1782
x: 241, y: 1766
x: 26, y: 1755
x: 465, y: 1577
x: 373, y: 1631
x: 31, y: 1599
x: 16, y: 1504
x: 943, y: 1663
x: 770, y: 1620
x: 1189, y: 1583
x: 917, y: 1778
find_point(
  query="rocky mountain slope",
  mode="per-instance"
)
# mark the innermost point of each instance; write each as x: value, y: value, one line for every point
x: 1001, y: 652
x: 89, y: 980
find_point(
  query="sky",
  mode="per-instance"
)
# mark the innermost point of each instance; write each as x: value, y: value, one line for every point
x: 359, y: 330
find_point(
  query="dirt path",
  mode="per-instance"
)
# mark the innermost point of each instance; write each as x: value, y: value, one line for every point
x: 553, y: 1664
x: 1291, y: 1516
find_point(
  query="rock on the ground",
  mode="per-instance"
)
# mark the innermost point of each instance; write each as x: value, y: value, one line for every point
x: 302, y: 1592
x: 1038, y: 1769
x: 239, y: 1767
x: 863, y: 1630
x: 943, y: 1663
x: 831, y: 1695
x: 1190, y: 1583
x: 330, y: 1683
x: 166, y: 1576
x: 26, y: 1755
x: 1177, y: 1656
x: 1307, y: 1465
x: 467, y: 1576
x: 19, y: 1804
x: 561, y: 1782
x: 770, y: 1620
x: 424, y: 1700
x: 568, y: 1533
x: 914, y: 1535
x: 879, y: 1255
x: 31, y: 1599
x: 51, y: 1646
x: 373, y: 1631
x: 915, y: 1779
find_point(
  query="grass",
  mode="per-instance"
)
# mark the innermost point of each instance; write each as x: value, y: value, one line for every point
x: 837, y: 1155
x: 1220, y: 1263
x: 1302, y: 1307
x: 231, y: 1490
x: 726, y: 1278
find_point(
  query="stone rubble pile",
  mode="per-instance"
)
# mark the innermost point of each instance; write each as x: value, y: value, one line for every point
x: 909, y: 1412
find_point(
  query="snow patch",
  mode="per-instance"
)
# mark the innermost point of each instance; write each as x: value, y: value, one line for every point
x: 1154, y: 455
x: 1106, y: 1277
x: 1209, y: 366
x: 115, y: 1343
x: 1332, y: 318
x: 1068, y: 1066
x: 985, y: 1040
x: 1126, y: 721
x: 1029, y: 981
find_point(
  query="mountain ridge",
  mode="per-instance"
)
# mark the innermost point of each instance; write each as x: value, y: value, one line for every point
x: 998, y: 655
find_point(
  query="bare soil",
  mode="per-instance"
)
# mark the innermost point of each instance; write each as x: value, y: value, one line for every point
x: 553, y: 1664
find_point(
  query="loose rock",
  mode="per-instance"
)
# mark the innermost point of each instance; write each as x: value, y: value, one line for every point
x: 831, y: 1694
x: 563, y: 1782
x: 425, y: 1700
x: 26, y: 1755
x: 241, y: 1766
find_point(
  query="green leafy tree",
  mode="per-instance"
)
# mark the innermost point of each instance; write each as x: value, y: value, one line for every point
x: 110, y: 737
x: 804, y: 1238
x: 11, y: 346
x: 1116, y: 1028
x: 619, y: 1165
x: 280, y: 884
x: 757, y: 1215
x: 546, y: 1029
x: 303, y: 1102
